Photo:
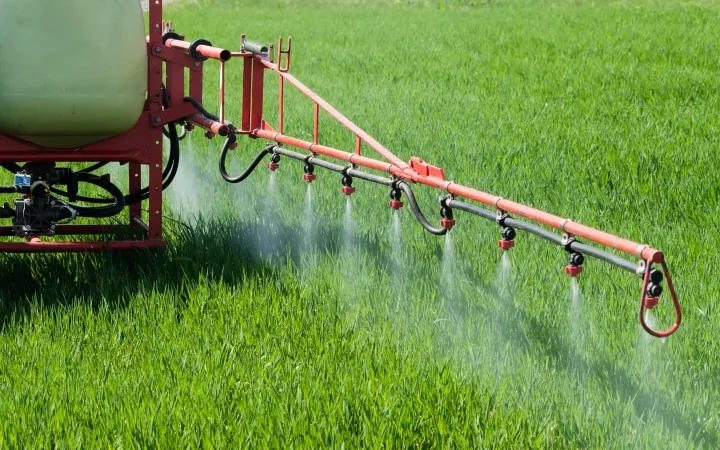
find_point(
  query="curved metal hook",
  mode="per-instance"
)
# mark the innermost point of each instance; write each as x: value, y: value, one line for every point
x: 676, y: 303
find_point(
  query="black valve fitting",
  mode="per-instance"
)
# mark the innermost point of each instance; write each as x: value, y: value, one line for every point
x: 508, y: 233
x: 656, y: 276
x: 654, y: 290
x: 576, y: 259
x: 395, y: 193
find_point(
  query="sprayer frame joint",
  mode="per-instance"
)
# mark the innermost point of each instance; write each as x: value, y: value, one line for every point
x: 501, y: 216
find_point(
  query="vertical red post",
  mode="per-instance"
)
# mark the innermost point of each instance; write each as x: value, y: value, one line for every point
x: 258, y: 84
x: 175, y: 83
x: 155, y: 201
x: 316, y: 123
x: 135, y: 184
x: 281, y: 89
x: 358, y: 144
x: 281, y: 105
x: 246, y: 93
x: 196, y: 90
x: 222, y: 92
x: 154, y: 136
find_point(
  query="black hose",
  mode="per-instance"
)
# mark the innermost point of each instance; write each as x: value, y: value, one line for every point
x: 201, y: 108
x: 439, y: 231
x: 168, y: 173
x: 223, y: 155
x: 95, y: 167
x: 11, y: 167
x: 9, y: 189
x: 104, y: 211
x: 182, y: 135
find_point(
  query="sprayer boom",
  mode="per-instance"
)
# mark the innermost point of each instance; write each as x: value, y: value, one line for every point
x: 400, y: 176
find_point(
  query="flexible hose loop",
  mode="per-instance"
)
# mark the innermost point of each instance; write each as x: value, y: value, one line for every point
x: 438, y: 231
x: 253, y: 164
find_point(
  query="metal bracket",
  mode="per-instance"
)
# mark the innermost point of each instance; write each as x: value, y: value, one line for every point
x: 567, y: 240
x: 285, y: 52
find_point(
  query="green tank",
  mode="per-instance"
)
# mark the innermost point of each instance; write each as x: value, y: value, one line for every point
x: 72, y: 72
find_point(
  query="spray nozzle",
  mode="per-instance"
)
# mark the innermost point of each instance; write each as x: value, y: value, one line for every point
x: 274, y: 163
x: 575, y: 267
x: 347, y: 188
x: 309, y: 169
x: 446, y: 214
x: 395, y: 194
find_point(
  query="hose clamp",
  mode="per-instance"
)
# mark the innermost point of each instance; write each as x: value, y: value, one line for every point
x: 640, y: 249
x: 562, y: 225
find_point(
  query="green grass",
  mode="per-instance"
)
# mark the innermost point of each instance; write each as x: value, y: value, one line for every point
x: 241, y: 335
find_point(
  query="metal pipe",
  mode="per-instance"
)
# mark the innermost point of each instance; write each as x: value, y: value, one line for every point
x: 334, y: 167
x: 209, y: 124
x: 370, y: 177
x: 575, y: 246
x: 326, y: 165
x: 255, y: 48
x: 205, y: 50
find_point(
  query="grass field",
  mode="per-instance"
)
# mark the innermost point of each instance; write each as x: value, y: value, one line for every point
x: 266, y: 325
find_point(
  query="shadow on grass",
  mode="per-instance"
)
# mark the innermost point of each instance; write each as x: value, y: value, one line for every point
x: 224, y: 250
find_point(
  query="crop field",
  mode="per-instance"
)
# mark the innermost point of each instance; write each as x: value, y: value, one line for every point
x: 285, y: 315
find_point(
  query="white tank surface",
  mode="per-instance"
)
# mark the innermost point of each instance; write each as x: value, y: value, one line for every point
x: 72, y: 72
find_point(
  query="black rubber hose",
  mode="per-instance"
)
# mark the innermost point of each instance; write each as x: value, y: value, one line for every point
x: 104, y: 211
x: 11, y: 167
x: 168, y: 175
x: 253, y: 165
x: 438, y: 231
x: 169, y: 172
x: 182, y: 135
x: 95, y: 167
x: 201, y: 108
x: 9, y: 189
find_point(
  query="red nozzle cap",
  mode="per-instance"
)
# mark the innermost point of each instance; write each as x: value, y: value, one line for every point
x: 447, y: 223
x: 506, y: 244
x: 273, y: 166
x: 233, y: 146
x: 209, y: 135
x: 651, y: 302
x: 347, y: 190
x: 396, y: 204
x: 309, y: 177
x: 573, y: 271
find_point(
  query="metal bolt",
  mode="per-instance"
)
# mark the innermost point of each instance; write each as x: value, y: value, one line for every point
x: 157, y: 119
x: 158, y: 49
x: 197, y: 63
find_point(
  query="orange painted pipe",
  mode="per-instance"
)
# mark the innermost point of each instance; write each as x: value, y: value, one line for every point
x: 205, y: 50
x: 209, y: 124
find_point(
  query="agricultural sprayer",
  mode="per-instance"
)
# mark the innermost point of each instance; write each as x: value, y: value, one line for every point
x: 86, y: 87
